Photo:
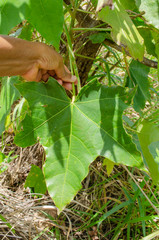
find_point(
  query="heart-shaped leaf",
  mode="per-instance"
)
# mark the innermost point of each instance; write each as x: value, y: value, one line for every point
x: 75, y: 133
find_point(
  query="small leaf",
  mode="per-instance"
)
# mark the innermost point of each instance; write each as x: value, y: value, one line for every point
x: 124, y: 31
x: 9, y: 125
x: 109, y: 165
x: 26, y: 32
x: 2, y: 157
x: 139, y: 77
x: 35, y: 179
x: 149, y: 133
x: 75, y: 133
x: 98, y: 37
x: 4, y: 160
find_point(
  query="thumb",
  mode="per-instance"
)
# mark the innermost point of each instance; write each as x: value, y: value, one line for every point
x: 64, y: 74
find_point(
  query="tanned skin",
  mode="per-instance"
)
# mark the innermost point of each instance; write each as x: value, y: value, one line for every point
x: 33, y: 61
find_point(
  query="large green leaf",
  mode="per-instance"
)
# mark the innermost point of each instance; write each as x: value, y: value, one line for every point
x: 11, y: 14
x: 139, y: 76
x: 151, y: 9
x: 75, y: 133
x: 124, y: 31
x: 46, y: 16
x: 148, y: 136
x: 8, y: 95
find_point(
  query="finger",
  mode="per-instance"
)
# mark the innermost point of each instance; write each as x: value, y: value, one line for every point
x: 60, y: 82
x: 38, y: 76
x: 51, y: 73
x: 64, y: 74
x: 43, y: 71
x: 67, y: 86
x: 45, y: 77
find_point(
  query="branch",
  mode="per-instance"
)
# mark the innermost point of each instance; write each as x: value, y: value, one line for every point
x: 146, y: 61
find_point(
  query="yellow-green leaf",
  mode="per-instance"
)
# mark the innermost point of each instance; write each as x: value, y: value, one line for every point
x: 124, y: 31
x: 109, y: 165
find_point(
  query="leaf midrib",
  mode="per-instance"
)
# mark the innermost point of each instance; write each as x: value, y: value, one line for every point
x: 69, y: 152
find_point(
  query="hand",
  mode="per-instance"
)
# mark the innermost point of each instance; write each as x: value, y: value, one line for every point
x: 50, y: 63
x: 33, y: 61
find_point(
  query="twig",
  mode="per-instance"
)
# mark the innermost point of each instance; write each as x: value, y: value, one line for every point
x: 10, y: 236
x: 70, y: 226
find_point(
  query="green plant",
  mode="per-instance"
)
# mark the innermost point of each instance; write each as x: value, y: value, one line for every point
x: 5, y: 160
x: 74, y: 131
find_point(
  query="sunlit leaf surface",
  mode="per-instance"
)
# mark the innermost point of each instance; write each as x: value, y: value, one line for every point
x: 75, y: 133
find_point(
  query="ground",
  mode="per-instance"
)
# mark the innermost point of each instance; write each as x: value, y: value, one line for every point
x: 24, y: 215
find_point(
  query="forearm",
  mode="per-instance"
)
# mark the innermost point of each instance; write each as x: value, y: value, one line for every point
x: 16, y: 55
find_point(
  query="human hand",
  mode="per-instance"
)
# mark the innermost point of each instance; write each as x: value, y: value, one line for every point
x: 50, y: 63
x: 33, y: 61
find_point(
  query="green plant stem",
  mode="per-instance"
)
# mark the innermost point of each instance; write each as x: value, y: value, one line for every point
x: 84, y: 11
x: 74, y: 69
x: 132, y: 130
x: 67, y: 8
x: 82, y: 56
x: 92, y: 29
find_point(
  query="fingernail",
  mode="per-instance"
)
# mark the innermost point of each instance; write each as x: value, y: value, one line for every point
x: 73, y: 78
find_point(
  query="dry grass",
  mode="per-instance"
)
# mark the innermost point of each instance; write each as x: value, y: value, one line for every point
x: 26, y: 216
x: 22, y: 215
